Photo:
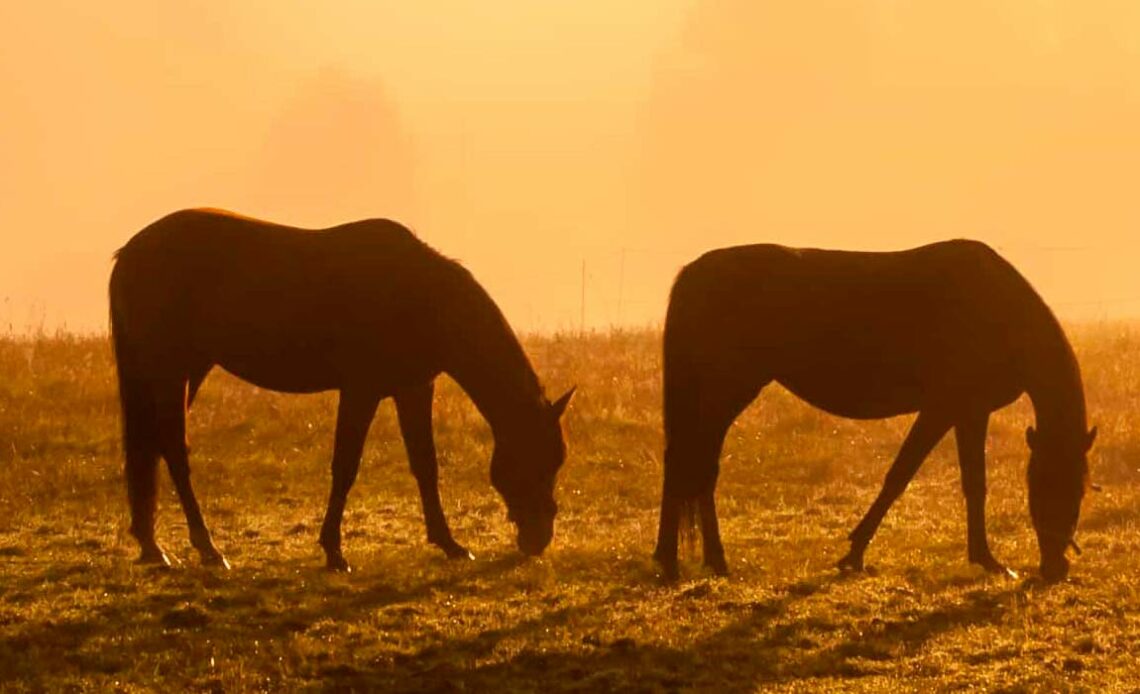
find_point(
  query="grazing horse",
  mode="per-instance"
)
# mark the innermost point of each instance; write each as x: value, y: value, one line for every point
x: 950, y: 331
x: 364, y: 308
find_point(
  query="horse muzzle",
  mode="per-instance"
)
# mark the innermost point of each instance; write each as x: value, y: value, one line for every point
x: 533, y: 541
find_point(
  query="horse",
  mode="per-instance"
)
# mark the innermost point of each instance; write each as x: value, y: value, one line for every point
x: 950, y: 331
x: 363, y: 308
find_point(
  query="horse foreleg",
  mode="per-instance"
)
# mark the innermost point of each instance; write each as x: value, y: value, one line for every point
x: 413, y: 410
x: 971, y: 438
x: 353, y: 418
x: 171, y: 402
x: 924, y: 434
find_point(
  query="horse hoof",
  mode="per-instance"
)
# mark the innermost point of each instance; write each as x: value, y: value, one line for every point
x: 993, y: 566
x: 154, y: 557
x: 338, y: 565
x: 718, y: 566
x: 851, y: 562
x: 459, y: 553
x: 669, y: 569
x: 216, y: 561
x: 1003, y: 571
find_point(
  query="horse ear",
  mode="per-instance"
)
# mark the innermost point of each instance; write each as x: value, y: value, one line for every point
x: 1031, y: 437
x: 1091, y: 438
x: 559, y: 405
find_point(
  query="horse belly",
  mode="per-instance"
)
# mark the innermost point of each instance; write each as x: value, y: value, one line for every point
x: 282, y: 373
x: 857, y: 391
x: 300, y: 366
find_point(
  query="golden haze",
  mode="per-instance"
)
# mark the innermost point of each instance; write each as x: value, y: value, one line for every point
x: 526, y: 138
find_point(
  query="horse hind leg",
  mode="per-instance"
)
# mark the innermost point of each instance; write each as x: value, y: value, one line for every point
x: 688, y: 502
x: 171, y: 402
x: 680, y: 418
x: 927, y: 430
x: 141, y: 448
x: 695, y: 435
x: 711, y: 546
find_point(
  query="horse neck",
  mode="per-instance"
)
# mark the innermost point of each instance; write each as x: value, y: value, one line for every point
x: 487, y: 361
x: 1055, y: 387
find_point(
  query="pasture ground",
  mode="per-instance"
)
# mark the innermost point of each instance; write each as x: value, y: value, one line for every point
x: 592, y: 615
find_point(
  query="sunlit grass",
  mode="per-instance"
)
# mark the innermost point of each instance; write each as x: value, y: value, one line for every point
x: 592, y: 615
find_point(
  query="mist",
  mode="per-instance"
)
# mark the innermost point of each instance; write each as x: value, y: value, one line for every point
x: 574, y: 157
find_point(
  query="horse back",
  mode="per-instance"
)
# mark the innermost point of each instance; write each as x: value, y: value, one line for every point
x: 862, y: 334
x: 292, y: 309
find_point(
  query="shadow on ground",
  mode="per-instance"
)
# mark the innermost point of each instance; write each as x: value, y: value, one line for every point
x: 365, y: 633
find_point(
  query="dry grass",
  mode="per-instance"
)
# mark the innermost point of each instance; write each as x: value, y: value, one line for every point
x: 76, y: 613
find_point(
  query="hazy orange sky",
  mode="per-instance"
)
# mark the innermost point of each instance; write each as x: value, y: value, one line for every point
x: 527, y: 137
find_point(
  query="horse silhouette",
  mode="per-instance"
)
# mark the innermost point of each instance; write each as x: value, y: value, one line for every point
x: 364, y: 308
x: 950, y: 330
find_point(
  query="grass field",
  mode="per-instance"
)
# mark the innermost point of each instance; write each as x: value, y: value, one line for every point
x: 592, y: 614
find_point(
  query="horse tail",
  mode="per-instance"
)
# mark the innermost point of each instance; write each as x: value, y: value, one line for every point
x: 139, y: 416
x: 120, y: 345
x: 686, y: 476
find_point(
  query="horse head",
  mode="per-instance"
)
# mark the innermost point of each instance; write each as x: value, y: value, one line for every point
x: 524, y: 468
x: 1058, y: 478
